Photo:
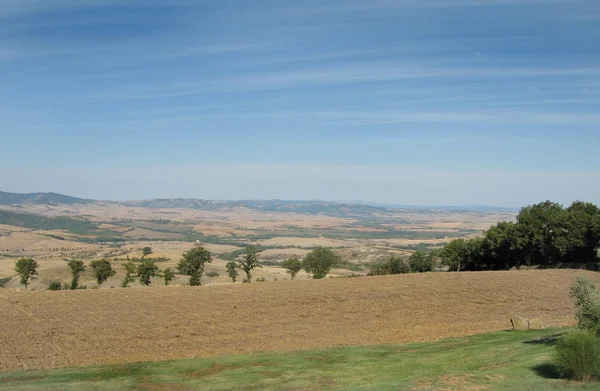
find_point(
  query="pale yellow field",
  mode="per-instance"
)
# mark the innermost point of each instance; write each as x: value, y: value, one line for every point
x: 307, y: 242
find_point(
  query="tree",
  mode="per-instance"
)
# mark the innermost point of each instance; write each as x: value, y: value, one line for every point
x: 146, y: 251
x: 502, y: 247
x: 102, y: 270
x: 250, y: 262
x: 168, y: 275
x: 26, y: 268
x: 419, y: 263
x: 582, y: 229
x: 319, y: 262
x: 542, y: 227
x: 130, y: 271
x: 455, y: 254
x: 433, y: 258
x: 77, y: 267
x: 146, y: 270
x: 192, y: 264
x: 292, y: 266
x: 232, y: 270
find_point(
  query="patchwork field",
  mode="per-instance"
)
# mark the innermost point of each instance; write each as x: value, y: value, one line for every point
x: 76, y: 328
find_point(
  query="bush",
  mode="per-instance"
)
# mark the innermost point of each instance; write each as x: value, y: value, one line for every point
x: 587, y: 301
x: 577, y: 356
x: 54, y: 286
x: 212, y: 274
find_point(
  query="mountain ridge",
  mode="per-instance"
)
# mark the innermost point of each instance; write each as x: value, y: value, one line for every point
x: 334, y: 208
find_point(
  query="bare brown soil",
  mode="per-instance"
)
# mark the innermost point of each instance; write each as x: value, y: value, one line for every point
x: 71, y: 328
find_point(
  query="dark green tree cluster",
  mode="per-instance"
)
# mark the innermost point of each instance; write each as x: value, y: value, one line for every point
x: 418, y: 262
x: 545, y: 234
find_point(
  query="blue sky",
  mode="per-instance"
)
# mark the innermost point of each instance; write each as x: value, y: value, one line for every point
x: 393, y: 101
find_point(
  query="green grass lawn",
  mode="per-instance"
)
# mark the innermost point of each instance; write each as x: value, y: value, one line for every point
x: 499, y: 361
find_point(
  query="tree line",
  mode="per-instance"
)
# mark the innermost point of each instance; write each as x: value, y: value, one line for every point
x: 318, y: 263
x: 545, y: 234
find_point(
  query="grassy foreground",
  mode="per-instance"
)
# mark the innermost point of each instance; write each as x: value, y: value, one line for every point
x: 499, y: 361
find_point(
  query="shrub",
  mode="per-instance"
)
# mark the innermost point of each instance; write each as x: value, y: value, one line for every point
x: 212, y: 274
x: 587, y: 301
x: 577, y: 356
x: 54, y: 286
x: 146, y: 251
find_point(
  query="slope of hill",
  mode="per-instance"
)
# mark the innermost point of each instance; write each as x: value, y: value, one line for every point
x: 39, y: 199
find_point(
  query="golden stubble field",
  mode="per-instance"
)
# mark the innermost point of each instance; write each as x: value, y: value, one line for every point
x: 74, y: 328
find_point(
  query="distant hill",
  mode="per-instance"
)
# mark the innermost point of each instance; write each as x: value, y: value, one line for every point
x: 358, y: 209
x: 40, y: 199
x: 333, y: 209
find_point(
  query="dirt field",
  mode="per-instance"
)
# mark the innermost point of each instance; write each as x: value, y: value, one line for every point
x: 72, y: 328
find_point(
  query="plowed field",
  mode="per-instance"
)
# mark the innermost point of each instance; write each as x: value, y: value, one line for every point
x: 72, y: 328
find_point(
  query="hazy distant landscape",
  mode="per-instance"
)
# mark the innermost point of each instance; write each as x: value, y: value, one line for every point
x: 54, y: 227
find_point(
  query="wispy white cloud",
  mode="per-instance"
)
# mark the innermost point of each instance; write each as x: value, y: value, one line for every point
x: 366, y: 73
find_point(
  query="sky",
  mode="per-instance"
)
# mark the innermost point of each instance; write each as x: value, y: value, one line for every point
x: 425, y: 102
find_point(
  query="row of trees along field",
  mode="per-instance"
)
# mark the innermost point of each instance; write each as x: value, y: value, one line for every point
x: 318, y: 263
x: 545, y: 234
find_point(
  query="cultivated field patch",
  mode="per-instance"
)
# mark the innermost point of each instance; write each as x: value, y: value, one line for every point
x: 71, y: 328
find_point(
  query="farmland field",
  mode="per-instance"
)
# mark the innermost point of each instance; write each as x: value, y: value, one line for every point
x: 76, y: 328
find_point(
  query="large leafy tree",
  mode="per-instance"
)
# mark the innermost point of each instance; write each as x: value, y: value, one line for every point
x: 26, y: 268
x: 455, y: 254
x: 320, y: 261
x: 193, y: 262
x: 502, y: 247
x: 102, y: 270
x: 582, y: 229
x: 250, y: 262
x: 77, y: 267
x: 542, y: 227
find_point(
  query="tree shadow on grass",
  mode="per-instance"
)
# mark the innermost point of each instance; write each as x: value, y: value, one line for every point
x: 547, y: 371
x: 548, y: 340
